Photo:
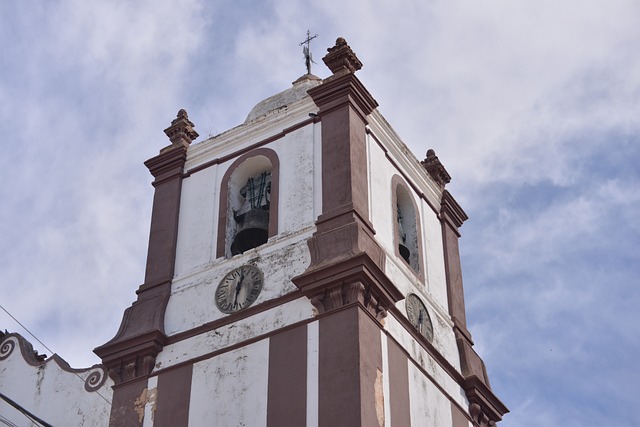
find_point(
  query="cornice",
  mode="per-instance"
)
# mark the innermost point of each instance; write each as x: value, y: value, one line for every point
x: 168, y: 164
x: 451, y: 211
x: 338, y: 91
x: 484, y: 407
x: 354, y: 279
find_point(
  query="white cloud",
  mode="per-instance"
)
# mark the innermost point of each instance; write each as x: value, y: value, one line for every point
x: 532, y: 106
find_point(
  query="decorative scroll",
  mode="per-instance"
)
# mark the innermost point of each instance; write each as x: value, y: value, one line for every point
x: 96, y: 379
x: 7, y: 347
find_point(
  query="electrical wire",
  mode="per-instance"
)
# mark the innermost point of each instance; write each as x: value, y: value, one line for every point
x: 24, y: 412
x: 7, y: 422
x: 75, y: 373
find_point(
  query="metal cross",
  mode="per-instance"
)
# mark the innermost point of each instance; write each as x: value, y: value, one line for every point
x: 307, y: 53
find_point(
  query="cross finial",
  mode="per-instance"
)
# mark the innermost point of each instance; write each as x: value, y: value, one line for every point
x: 307, y: 53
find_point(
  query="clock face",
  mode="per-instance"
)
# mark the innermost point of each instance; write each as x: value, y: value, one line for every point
x: 239, y: 289
x: 419, y: 316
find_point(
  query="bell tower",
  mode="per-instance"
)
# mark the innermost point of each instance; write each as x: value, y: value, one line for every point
x: 303, y: 270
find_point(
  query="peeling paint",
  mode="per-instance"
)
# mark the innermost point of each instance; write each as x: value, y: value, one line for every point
x: 379, y: 393
x: 139, y: 404
x: 152, y: 399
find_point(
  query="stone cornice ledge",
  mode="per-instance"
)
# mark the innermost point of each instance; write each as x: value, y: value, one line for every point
x: 354, y: 279
x: 334, y: 93
x: 451, y: 211
x: 484, y: 407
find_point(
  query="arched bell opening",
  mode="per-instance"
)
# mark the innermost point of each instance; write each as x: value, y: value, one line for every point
x: 249, y: 205
x: 252, y: 219
x: 407, y: 227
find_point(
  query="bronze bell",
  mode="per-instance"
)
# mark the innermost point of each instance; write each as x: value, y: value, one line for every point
x: 253, y: 230
x: 404, y: 252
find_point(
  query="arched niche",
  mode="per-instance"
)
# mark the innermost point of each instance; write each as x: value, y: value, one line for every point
x: 407, y: 232
x: 249, y: 185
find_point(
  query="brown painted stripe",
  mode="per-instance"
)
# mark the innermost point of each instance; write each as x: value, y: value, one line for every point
x: 398, y: 386
x: 350, y: 363
x: 174, y: 391
x: 451, y: 370
x: 287, y: 387
x: 123, y: 412
x: 426, y: 345
x: 458, y: 417
x: 338, y: 379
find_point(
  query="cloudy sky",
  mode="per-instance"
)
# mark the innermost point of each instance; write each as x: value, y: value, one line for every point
x: 533, y: 106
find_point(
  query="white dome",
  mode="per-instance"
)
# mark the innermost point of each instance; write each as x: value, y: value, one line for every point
x: 284, y: 98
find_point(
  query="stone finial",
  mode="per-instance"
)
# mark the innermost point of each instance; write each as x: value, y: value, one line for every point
x: 432, y: 165
x: 181, y: 130
x: 341, y: 59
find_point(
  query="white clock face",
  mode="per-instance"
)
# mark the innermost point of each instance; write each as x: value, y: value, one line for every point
x: 419, y: 316
x: 239, y: 289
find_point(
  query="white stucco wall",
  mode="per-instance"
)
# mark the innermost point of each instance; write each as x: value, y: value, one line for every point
x: 231, y: 389
x: 50, y: 392
x: 427, y: 404
x: 300, y: 183
x: 237, y: 332
x: 279, y: 261
x: 381, y: 172
x: 423, y: 359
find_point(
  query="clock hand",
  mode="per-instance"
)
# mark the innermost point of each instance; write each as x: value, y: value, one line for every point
x: 238, y: 287
x: 420, y: 320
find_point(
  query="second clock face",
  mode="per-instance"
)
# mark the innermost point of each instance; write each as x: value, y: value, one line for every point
x: 419, y: 317
x: 239, y: 289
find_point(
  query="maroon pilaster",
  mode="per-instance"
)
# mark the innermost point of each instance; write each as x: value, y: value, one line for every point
x: 287, y: 389
x: 347, y: 264
x: 344, y: 228
x: 131, y: 354
x: 174, y: 393
x: 346, y: 281
x: 485, y: 408
x: 350, y: 370
x: 127, y: 405
x: 452, y: 216
x: 398, y: 386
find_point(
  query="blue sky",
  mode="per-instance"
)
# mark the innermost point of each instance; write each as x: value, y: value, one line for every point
x: 532, y: 106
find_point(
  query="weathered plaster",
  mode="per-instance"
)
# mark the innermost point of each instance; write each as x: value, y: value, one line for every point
x: 231, y: 389
x: 429, y: 407
x: 238, y: 332
x: 419, y: 356
x: 44, y: 387
x: 279, y: 260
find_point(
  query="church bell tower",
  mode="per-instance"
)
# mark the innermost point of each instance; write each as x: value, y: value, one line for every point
x: 303, y: 270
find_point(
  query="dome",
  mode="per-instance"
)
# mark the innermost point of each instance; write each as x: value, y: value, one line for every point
x: 284, y: 98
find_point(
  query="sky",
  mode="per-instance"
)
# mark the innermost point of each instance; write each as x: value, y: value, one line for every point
x: 533, y: 106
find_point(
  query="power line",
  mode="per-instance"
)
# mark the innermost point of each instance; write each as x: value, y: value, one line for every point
x: 28, y: 331
x: 7, y: 422
x: 24, y: 412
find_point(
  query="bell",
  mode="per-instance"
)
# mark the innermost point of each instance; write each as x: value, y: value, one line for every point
x: 404, y: 252
x: 253, y: 231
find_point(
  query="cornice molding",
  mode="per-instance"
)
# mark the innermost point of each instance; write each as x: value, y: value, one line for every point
x: 355, y: 279
x: 451, y: 211
x: 335, y: 92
